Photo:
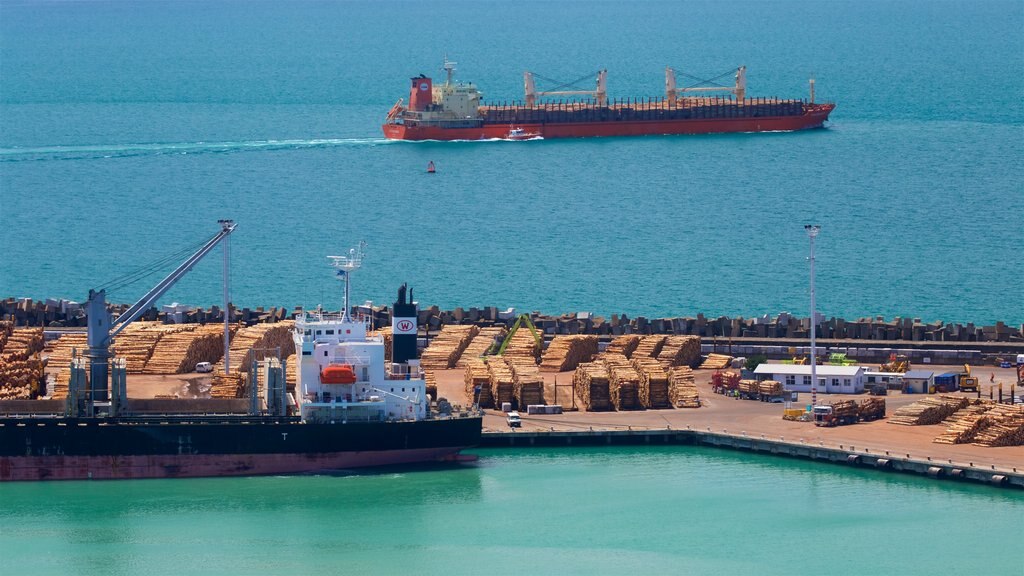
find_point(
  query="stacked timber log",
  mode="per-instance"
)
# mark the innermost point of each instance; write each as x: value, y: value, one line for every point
x: 446, y: 348
x: 965, y: 424
x: 481, y: 344
x: 928, y: 410
x: 624, y: 382
x: 290, y: 377
x: 1006, y: 428
x: 591, y: 384
x: 845, y: 409
x: 749, y: 387
x: 565, y: 353
x: 6, y: 329
x: 769, y: 388
x: 682, y: 389
x: 653, y: 383
x: 650, y: 346
x: 258, y: 342
x: 228, y: 385
x: 871, y: 408
x: 502, y: 380
x: 716, y: 362
x: 430, y: 383
x: 625, y: 345
x: 386, y: 334
x: 523, y: 345
x: 528, y: 382
x: 58, y: 360
x: 22, y: 374
x: 680, y: 351
x: 477, y: 374
x: 179, y: 352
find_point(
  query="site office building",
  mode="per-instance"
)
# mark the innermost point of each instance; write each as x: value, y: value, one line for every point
x: 831, y: 379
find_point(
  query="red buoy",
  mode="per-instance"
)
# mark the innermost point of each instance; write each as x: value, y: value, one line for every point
x: 430, y: 167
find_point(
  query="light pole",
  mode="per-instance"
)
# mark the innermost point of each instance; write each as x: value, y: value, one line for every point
x: 812, y: 231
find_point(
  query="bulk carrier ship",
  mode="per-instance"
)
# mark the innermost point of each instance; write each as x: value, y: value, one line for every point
x: 455, y: 111
x: 350, y: 409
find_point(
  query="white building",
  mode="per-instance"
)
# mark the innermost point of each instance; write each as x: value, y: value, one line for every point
x: 831, y: 379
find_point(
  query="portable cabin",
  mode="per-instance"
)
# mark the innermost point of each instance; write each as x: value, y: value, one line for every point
x: 918, y: 381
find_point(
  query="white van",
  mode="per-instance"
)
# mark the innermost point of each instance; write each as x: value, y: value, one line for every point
x: 1020, y: 359
x: 204, y: 367
x: 513, y: 420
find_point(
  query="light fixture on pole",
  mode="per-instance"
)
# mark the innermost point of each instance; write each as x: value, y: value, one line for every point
x: 812, y: 231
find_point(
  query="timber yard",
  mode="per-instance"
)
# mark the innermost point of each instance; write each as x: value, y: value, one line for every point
x: 946, y: 397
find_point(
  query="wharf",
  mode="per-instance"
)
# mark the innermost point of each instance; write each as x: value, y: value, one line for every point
x: 843, y: 455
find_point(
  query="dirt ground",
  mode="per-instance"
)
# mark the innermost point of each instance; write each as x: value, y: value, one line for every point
x: 720, y: 413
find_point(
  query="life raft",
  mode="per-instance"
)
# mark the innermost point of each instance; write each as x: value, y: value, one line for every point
x: 338, y: 374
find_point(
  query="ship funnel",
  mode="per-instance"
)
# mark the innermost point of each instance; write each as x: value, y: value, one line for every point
x: 421, y: 93
x: 403, y: 328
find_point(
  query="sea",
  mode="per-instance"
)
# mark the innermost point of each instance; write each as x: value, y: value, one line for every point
x: 128, y: 128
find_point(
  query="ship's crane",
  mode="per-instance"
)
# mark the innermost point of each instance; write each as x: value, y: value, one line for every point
x: 523, y: 320
x: 739, y: 89
x: 600, y: 94
x: 101, y: 330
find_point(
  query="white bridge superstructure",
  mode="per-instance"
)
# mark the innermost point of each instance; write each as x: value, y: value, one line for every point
x: 343, y: 375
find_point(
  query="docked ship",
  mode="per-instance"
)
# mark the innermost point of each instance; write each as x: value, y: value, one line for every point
x: 351, y: 408
x: 455, y: 111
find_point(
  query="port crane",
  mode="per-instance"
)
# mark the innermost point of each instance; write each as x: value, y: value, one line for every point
x: 101, y: 330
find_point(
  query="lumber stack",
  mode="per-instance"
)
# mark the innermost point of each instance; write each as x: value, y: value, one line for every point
x: 430, y: 383
x: 716, y: 362
x: 1006, y: 427
x: 523, y: 345
x: 749, y: 387
x: 653, y: 383
x: 931, y: 410
x: 528, y: 382
x: 257, y: 342
x: 502, y: 380
x: 770, y: 388
x: 680, y: 351
x: 446, y: 348
x: 965, y: 424
x: 21, y: 368
x: 650, y: 346
x: 682, y: 389
x: 565, y: 353
x: 179, y: 352
x: 21, y: 344
x: 845, y: 408
x: 58, y: 360
x: 623, y: 383
x: 477, y: 374
x: 590, y: 381
x: 625, y: 345
x: 228, y: 385
x: 480, y: 344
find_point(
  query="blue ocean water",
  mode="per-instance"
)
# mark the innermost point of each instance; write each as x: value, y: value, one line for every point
x: 128, y: 128
x: 645, y: 511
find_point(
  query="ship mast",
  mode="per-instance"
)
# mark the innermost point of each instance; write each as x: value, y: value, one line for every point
x: 346, y: 265
x: 449, y: 68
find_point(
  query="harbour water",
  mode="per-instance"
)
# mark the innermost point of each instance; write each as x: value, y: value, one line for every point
x: 678, y: 510
x: 129, y: 128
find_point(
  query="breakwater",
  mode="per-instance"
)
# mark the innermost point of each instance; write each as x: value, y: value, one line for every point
x: 842, y: 455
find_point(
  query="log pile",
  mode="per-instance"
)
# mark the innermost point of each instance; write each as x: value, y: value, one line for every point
x: 653, y: 383
x: 528, y: 383
x: 430, y: 383
x: 650, y: 346
x: 136, y: 343
x: 21, y: 368
x: 21, y: 344
x: 590, y: 381
x: 523, y: 345
x: 770, y: 388
x: 478, y: 375
x: 871, y: 408
x: 682, y: 389
x: 1006, y: 428
x: 502, y: 380
x: 446, y: 348
x: 716, y: 362
x: 928, y: 410
x: 749, y: 387
x: 680, y: 351
x: 257, y: 342
x: 624, y: 383
x: 965, y: 424
x: 480, y: 344
x: 179, y: 352
x: 845, y: 409
x: 228, y: 385
x: 625, y: 345
x: 565, y: 353
x: 58, y: 360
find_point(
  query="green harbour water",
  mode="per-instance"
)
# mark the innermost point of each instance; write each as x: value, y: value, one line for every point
x: 679, y: 510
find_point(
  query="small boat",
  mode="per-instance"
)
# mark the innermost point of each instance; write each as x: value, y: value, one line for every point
x: 520, y: 134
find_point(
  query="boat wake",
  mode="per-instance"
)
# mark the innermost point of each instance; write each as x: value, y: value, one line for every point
x: 16, y: 153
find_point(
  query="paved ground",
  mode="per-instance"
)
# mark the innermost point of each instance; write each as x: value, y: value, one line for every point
x: 759, y: 418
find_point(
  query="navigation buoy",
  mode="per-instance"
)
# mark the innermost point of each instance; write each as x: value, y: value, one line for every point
x: 430, y: 167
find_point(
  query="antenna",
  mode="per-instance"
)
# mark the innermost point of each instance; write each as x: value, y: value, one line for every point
x: 448, y: 67
x: 346, y: 265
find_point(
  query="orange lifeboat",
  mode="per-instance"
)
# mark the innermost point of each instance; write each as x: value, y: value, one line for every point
x: 338, y: 374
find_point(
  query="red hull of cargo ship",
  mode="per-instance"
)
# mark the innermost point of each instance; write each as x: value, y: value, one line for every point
x: 815, y: 117
x: 15, y: 468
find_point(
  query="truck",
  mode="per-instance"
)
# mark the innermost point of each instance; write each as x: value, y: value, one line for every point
x: 771, y: 391
x: 837, y: 414
x: 725, y: 382
x: 871, y: 409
